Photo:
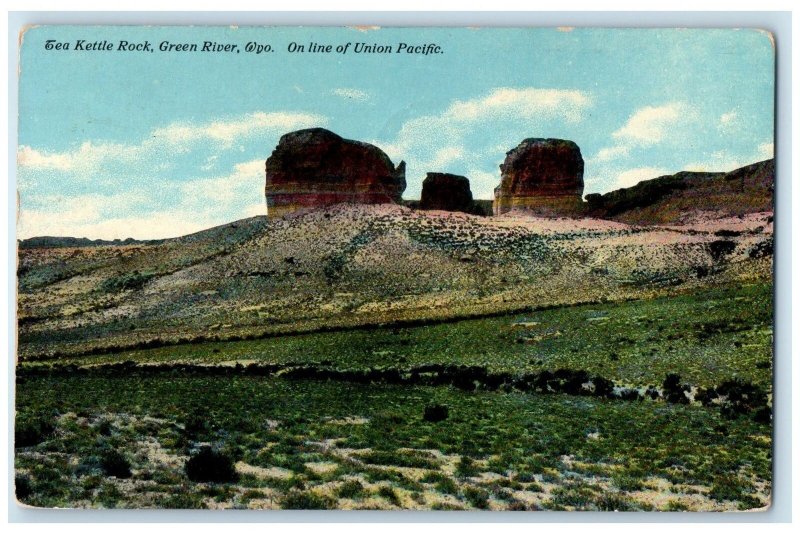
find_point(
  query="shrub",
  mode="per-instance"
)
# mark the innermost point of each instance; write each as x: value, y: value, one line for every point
x: 22, y: 487
x: 721, y: 248
x: 519, y: 506
x: 729, y: 488
x: 445, y: 506
x: 674, y: 391
x: 305, y: 500
x: 576, y: 496
x: 210, y: 466
x: 706, y: 396
x: 701, y: 271
x: 613, y: 502
x: 115, y: 464
x: 109, y: 495
x: 182, y: 501
x: 466, y: 467
x: 477, y: 497
x: 195, y: 426
x: 432, y: 477
x: 125, y: 281
x: 569, y: 381
x: 761, y: 249
x: 400, y: 459
x: 741, y: 397
x: 525, y: 476
x: 763, y: 415
x: 627, y: 483
x: 603, y: 387
x: 29, y: 432
x: 104, y: 428
x: 447, y: 485
x: 435, y: 413
x: 628, y: 394
x: 676, y: 506
x: 389, y: 494
x: 350, y: 489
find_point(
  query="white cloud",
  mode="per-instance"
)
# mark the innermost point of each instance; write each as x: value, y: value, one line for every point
x: 647, y: 126
x: 650, y: 125
x: 245, y: 182
x: 91, y: 157
x: 431, y: 142
x: 611, y: 153
x: 720, y: 161
x: 67, y: 216
x: 608, y: 178
x: 502, y: 103
x: 725, y: 161
x: 226, y: 132
x: 149, y: 200
x: 257, y: 209
x: 352, y: 94
x: 86, y: 157
x: 526, y: 103
x: 729, y: 117
x: 482, y: 183
x: 30, y: 157
x: 443, y: 157
x: 173, y: 209
x: 728, y: 122
x: 153, y: 225
x: 632, y: 177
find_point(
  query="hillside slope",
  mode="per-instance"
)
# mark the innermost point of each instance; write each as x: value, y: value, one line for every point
x: 354, y: 265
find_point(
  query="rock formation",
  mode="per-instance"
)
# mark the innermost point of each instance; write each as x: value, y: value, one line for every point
x: 677, y: 197
x: 448, y: 192
x: 315, y: 167
x: 543, y: 176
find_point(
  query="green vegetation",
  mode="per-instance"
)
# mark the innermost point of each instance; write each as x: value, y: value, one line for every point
x: 368, y: 432
x: 446, y: 416
x: 115, y: 464
x: 708, y: 337
x: 210, y: 466
x: 125, y: 282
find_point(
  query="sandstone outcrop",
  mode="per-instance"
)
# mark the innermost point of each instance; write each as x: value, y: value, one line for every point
x: 315, y: 168
x: 674, y: 198
x: 448, y: 192
x: 543, y: 176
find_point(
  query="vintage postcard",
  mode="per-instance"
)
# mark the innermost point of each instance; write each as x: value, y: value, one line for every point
x: 395, y: 268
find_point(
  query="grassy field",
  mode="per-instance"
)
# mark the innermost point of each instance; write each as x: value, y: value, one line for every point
x: 153, y: 436
x: 338, y: 445
x: 707, y: 337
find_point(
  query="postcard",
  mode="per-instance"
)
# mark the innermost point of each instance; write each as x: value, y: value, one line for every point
x: 364, y: 268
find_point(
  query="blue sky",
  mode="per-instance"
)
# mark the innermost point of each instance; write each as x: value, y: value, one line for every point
x: 137, y: 144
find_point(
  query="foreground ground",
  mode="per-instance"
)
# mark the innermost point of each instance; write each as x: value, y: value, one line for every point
x: 563, y: 408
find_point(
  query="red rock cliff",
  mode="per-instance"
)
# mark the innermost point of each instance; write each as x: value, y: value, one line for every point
x: 315, y: 167
x: 544, y: 176
x: 449, y: 192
